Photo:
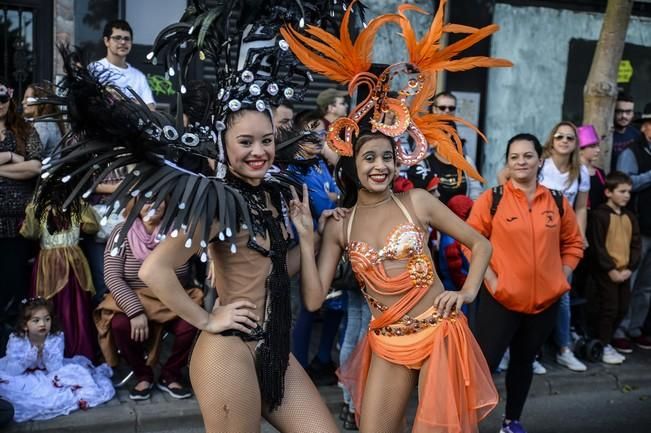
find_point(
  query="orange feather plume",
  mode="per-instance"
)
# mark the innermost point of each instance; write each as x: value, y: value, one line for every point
x: 442, y: 135
x: 337, y: 58
x: 427, y: 53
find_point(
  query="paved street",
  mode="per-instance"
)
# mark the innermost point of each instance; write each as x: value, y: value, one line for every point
x: 605, y: 399
x: 611, y: 411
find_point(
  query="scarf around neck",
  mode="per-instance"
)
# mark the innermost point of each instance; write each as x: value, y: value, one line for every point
x: 141, y: 242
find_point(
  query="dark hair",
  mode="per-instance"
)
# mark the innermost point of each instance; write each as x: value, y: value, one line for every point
x: 523, y: 136
x: 18, y: 126
x: 198, y: 101
x: 616, y: 178
x: 624, y: 97
x: 27, y: 308
x: 116, y: 24
x: 445, y: 93
x: 306, y: 118
x: 48, y: 207
x: 287, y: 104
x: 346, y: 169
x: 234, y: 116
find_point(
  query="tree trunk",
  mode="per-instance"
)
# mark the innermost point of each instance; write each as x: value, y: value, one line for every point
x: 600, y: 91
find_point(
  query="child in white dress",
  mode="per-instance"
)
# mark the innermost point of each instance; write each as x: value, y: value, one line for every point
x: 35, y: 377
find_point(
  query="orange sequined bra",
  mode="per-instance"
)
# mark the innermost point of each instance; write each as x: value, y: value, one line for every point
x: 405, y: 242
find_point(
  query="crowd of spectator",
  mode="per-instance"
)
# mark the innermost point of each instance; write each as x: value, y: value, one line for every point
x: 582, y: 218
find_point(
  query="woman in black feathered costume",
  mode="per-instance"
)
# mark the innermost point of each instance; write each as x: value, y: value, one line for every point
x: 241, y: 367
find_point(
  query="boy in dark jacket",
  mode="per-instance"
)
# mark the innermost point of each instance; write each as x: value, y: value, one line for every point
x: 614, y: 238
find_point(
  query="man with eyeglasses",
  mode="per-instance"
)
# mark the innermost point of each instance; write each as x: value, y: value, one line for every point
x: 624, y: 134
x: 114, y: 69
x: 118, y: 39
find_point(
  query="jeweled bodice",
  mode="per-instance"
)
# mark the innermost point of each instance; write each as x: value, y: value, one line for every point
x: 405, y: 242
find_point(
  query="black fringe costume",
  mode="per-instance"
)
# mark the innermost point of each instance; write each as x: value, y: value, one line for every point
x: 111, y: 129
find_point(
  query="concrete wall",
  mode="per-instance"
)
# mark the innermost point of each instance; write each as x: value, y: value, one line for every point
x: 390, y: 47
x: 149, y: 18
x: 64, y: 30
x: 529, y: 96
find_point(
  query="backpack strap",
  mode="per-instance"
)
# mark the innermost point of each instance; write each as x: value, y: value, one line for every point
x: 558, y: 199
x: 498, y: 192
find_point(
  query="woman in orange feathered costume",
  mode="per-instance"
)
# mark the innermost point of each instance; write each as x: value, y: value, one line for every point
x: 418, y: 334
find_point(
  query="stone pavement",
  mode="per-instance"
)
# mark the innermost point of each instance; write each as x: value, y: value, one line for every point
x: 165, y: 414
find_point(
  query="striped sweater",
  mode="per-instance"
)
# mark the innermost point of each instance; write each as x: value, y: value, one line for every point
x: 121, y: 276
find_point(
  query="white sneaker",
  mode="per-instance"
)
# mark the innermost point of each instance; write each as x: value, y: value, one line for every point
x: 504, y: 363
x: 567, y: 359
x: 538, y: 368
x: 611, y: 356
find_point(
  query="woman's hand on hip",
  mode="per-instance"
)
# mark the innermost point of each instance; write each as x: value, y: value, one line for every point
x: 237, y: 315
x: 140, y: 328
x: 449, y: 300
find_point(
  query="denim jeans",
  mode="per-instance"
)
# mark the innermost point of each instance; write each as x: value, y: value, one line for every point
x: 640, y: 295
x: 358, y: 317
x: 562, y: 328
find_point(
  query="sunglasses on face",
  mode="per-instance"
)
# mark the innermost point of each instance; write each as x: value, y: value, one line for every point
x: 4, y: 99
x: 564, y: 136
x: 119, y: 39
x: 450, y: 108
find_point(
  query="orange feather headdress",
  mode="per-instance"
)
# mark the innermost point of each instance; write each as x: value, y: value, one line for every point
x: 349, y: 62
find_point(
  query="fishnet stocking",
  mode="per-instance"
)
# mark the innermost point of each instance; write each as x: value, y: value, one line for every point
x: 222, y: 371
x: 387, y: 393
x: 223, y: 375
x: 303, y: 409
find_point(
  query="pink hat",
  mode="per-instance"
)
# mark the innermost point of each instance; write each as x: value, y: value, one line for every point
x: 587, y: 136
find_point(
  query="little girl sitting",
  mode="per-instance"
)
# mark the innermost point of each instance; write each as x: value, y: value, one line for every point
x: 35, y: 377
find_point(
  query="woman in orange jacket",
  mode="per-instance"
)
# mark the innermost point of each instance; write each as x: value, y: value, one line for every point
x: 536, y: 245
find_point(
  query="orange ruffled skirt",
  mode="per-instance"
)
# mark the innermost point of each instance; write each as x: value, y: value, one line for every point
x: 458, y: 391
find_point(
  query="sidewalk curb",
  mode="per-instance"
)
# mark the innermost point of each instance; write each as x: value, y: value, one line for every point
x: 160, y: 414
x: 179, y: 415
x: 105, y: 419
x: 555, y: 383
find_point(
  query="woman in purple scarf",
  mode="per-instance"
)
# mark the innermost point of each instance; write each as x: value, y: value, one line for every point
x: 131, y: 318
